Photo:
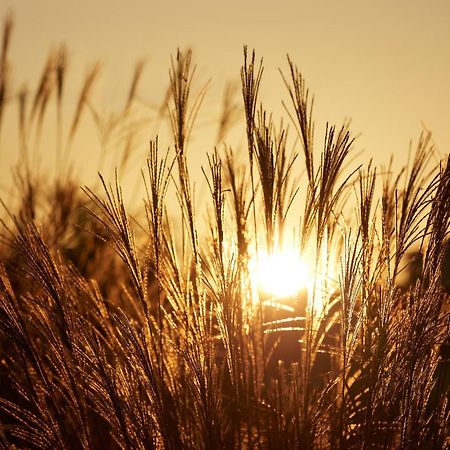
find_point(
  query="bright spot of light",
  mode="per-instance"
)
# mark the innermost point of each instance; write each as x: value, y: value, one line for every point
x: 280, y: 274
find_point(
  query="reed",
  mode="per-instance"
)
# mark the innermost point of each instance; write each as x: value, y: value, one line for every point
x: 123, y: 332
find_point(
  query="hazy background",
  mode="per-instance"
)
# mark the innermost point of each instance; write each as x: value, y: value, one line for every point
x: 384, y: 64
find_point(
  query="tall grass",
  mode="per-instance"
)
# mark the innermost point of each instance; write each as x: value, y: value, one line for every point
x: 117, y: 332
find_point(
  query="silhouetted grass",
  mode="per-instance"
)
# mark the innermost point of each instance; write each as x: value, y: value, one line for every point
x: 121, y: 334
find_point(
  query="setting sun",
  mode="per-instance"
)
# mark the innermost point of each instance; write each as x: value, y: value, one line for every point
x: 280, y: 274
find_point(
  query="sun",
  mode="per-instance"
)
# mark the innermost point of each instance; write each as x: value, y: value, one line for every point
x: 280, y: 274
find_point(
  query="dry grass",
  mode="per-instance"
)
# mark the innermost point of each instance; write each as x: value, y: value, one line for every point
x: 117, y: 334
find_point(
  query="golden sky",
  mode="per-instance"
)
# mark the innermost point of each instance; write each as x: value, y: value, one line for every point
x: 385, y: 64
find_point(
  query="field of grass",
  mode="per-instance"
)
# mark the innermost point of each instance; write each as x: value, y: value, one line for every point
x: 122, y: 328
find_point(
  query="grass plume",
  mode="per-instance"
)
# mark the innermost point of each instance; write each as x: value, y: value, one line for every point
x: 122, y: 328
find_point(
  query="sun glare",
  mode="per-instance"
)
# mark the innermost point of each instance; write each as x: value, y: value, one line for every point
x: 280, y: 274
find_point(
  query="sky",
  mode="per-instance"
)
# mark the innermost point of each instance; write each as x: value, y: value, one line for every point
x: 384, y: 64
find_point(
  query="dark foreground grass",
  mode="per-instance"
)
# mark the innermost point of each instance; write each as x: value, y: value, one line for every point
x: 117, y: 332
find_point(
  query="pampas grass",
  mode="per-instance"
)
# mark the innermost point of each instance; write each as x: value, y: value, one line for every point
x: 122, y: 329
